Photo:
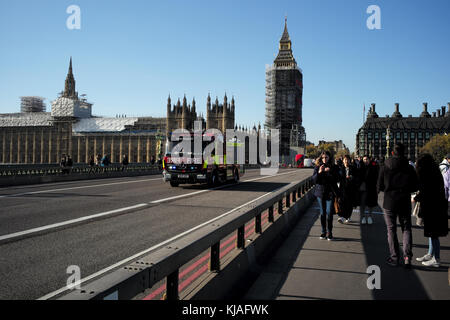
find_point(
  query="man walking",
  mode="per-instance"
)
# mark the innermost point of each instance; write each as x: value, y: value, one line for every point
x: 397, y: 179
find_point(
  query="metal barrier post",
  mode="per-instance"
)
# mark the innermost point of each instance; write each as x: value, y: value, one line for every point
x: 280, y: 206
x: 172, y: 286
x: 271, y: 219
x: 214, y: 262
x: 240, y: 242
x: 258, y: 227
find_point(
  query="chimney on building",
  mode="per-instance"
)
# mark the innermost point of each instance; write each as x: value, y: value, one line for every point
x: 438, y: 112
x: 434, y: 114
x: 443, y: 111
x: 372, y: 113
x: 425, y: 111
x: 397, y: 112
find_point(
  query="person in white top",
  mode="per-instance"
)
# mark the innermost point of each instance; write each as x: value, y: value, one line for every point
x: 445, y: 164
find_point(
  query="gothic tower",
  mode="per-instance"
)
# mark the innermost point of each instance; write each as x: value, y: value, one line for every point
x: 220, y: 116
x: 181, y: 116
x: 284, y: 91
x: 69, y: 88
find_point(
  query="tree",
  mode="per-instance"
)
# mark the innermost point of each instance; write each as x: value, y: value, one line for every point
x: 327, y: 147
x: 312, y: 151
x: 341, y: 153
x: 438, y: 147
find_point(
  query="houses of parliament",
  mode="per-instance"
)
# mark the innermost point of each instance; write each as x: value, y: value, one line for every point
x: 34, y: 136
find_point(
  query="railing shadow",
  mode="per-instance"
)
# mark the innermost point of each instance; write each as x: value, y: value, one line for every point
x: 247, y: 187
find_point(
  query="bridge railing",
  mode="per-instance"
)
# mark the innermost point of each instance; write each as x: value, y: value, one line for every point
x: 56, y: 169
x: 138, y: 277
x: 76, y: 169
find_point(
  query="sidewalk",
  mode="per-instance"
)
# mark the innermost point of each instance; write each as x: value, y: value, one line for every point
x: 306, y: 267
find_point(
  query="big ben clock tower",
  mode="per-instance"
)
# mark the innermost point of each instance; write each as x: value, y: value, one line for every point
x: 284, y: 91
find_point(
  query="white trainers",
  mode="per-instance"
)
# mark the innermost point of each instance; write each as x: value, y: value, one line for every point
x: 432, y: 263
x: 426, y: 257
x: 363, y: 220
x: 369, y: 220
x: 347, y: 220
x: 341, y: 220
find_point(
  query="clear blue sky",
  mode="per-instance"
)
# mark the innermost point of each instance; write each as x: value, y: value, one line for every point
x: 129, y: 55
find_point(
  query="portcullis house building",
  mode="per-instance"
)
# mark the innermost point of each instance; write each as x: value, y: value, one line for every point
x: 378, y: 135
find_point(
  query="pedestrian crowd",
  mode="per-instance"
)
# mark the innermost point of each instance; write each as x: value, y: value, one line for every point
x: 343, y: 184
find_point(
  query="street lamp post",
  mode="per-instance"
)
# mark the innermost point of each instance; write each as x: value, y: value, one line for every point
x: 388, y: 137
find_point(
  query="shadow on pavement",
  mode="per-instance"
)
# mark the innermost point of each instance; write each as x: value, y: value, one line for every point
x: 397, y: 283
x: 247, y: 187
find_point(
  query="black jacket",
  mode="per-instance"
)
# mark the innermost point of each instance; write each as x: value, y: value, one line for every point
x: 397, y: 179
x: 433, y: 204
x: 326, y: 182
x: 348, y: 188
x: 369, y: 176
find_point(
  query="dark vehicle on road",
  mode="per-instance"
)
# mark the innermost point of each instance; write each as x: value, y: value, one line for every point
x: 191, y: 167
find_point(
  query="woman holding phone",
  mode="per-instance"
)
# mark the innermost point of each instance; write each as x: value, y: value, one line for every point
x: 326, y: 177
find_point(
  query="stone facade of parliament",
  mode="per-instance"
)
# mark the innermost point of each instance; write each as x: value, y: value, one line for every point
x: 34, y: 136
x: 413, y: 132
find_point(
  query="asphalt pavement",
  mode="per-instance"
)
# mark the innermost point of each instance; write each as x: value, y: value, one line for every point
x: 98, y: 224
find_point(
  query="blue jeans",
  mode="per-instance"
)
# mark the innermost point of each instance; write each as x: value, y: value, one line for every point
x: 326, y: 218
x: 434, y: 247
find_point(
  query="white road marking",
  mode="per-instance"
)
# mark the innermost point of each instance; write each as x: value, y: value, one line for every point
x: 82, y: 187
x: 68, y: 222
x: 102, y: 214
x: 73, y: 188
x: 216, y: 188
